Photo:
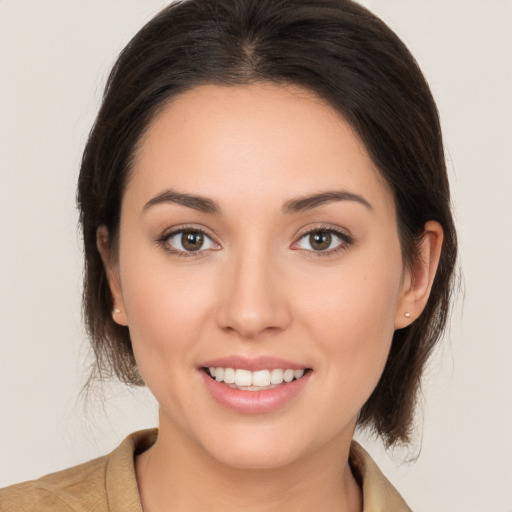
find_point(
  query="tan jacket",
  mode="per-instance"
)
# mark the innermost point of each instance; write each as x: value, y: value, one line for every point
x: 108, y: 484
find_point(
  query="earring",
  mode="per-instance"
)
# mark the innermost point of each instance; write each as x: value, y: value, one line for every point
x: 407, y: 314
x: 116, y: 311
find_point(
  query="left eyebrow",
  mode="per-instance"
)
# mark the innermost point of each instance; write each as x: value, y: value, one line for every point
x: 306, y: 203
x: 200, y: 203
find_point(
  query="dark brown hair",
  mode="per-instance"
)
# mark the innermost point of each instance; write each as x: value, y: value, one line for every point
x: 348, y: 57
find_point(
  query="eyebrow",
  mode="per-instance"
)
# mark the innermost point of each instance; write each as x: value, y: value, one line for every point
x: 305, y: 203
x: 199, y: 203
x: 297, y: 205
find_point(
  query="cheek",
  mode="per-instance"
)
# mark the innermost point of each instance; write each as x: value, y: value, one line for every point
x: 166, y: 309
x: 158, y: 302
x: 352, y: 320
x: 165, y: 305
x: 355, y: 298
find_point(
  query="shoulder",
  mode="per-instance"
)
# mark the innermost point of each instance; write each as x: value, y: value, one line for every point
x: 379, y: 494
x: 99, y: 485
x: 63, y: 491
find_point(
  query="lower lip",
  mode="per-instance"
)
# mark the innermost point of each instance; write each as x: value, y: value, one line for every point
x: 254, y: 402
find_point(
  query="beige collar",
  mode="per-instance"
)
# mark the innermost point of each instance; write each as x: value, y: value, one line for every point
x: 379, y: 495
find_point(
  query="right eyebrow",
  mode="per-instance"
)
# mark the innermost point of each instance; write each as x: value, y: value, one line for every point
x: 199, y: 203
x: 305, y: 203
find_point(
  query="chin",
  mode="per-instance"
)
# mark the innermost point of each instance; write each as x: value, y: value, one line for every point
x: 260, y: 447
x: 254, y: 456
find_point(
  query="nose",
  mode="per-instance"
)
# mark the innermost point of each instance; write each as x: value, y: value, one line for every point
x: 253, y: 298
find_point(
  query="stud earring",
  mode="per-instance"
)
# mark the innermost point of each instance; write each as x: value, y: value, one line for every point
x: 116, y: 311
x: 407, y: 314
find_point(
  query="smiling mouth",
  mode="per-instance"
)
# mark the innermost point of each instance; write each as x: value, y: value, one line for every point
x: 261, y: 380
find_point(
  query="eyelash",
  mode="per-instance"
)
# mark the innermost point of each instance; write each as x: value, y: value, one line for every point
x: 345, y: 241
x: 182, y: 254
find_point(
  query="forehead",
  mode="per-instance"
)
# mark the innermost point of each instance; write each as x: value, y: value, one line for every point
x: 259, y: 141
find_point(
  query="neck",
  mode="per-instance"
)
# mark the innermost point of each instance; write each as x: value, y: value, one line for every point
x: 176, y: 474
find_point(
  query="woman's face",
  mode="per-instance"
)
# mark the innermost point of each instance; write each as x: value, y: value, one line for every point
x: 257, y: 235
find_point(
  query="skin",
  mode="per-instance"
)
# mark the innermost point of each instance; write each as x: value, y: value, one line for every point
x: 259, y: 288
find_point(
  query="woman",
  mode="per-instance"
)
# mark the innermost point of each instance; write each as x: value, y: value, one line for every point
x: 269, y: 248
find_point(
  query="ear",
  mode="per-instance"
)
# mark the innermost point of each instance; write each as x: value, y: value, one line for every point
x: 112, y: 272
x: 419, y: 277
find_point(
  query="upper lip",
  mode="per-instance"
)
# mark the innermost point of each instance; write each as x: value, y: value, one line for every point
x: 253, y: 364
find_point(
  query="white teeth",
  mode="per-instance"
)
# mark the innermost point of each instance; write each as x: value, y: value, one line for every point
x: 243, y: 377
x: 287, y: 376
x: 219, y: 374
x: 261, y: 378
x: 229, y: 376
x: 252, y: 381
x: 276, y: 376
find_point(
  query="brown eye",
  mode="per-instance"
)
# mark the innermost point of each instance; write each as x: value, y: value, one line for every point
x: 186, y: 241
x: 192, y: 240
x: 320, y: 240
x: 326, y: 241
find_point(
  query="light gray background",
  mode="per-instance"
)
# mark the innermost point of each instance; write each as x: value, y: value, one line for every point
x: 54, y: 59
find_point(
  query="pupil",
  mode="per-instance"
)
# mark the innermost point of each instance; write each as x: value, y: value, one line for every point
x: 320, y: 240
x: 192, y: 241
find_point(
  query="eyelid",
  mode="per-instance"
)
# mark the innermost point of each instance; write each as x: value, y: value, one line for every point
x: 171, y: 232
x: 345, y: 238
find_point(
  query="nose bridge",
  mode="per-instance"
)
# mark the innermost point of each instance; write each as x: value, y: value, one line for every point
x: 253, y: 297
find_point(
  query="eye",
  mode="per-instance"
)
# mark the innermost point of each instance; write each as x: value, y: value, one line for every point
x: 188, y: 241
x: 324, y: 241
